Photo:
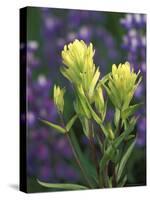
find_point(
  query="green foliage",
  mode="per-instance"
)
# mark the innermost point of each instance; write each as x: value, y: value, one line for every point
x: 70, y: 123
x: 89, y: 169
x: 115, y: 139
x: 56, y: 127
x: 129, y: 111
x: 124, y: 159
x: 112, y: 148
x: 64, y: 186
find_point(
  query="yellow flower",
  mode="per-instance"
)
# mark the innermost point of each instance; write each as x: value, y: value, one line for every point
x: 59, y: 98
x: 122, y: 85
x: 80, y: 68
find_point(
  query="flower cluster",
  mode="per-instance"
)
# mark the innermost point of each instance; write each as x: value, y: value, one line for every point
x: 122, y: 85
x: 80, y: 68
x: 118, y: 137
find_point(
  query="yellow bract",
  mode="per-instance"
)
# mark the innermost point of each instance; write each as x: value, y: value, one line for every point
x: 80, y: 68
x: 122, y: 84
x: 59, y: 98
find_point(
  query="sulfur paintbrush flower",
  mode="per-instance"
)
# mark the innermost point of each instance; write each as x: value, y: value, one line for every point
x: 122, y: 85
x: 59, y: 98
x: 79, y: 66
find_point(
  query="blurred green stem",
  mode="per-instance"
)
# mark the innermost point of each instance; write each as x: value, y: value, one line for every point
x: 74, y: 153
x: 93, y: 148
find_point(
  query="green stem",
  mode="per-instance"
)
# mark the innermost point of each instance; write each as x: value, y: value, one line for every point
x: 106, y: 175
x: 74, y: 153
x: 119, y: 127
x: 100, y: 144
x: 78, y: 161
x: 93, y: 149
x: 114, y: 179
x: 114, y: 176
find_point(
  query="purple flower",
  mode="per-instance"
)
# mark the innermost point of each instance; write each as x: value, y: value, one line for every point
x: 134, y: 43
x: 43, y: 144
x: 141, y: 134
x: 85, y: 25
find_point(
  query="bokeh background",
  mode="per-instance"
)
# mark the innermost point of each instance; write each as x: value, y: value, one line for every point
x: 117, y: 37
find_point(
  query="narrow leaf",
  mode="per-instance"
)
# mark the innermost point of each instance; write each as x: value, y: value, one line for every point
x: 124, y: 135
x: 81, y: 99
x: 93, y: 83
x: 130, y: 137
x: 71, y: 122
x: 105, y: 78
x: 111, y: 96
x: 111, y: 149
x: 129, y: 111
x: 117, y: 117
x: 85, y: 126
x: 93, y: 113
x: 56, y: 127
x: 104, y: 130
x: 125, y: 159
x: 86, y: 164
x: 65, y: 186
x: 123, y: 181
x: 105, y: 109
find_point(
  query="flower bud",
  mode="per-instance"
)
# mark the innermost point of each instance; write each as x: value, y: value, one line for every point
x: 59, y: 98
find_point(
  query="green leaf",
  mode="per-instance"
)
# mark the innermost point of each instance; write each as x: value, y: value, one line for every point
x: 117, y: 117
x: 114, y: 90
x: 112, y: 148
x: 122, y: 182
x: 111, y: 96
x: 129, y: 137
x: 105, y: 109
x: 124, y: 135
x: 89, y: 169
x: 93, y: 113
x: 125, y: 159
x: 71, y: 122
x: 65, y: 186
x: 93, y: 83
x: 82, y: 103
x: 104, y: 130
x: 105, y: 78
x: 129, y: 111
x: 138, y: 82
x: 56, y: 127
x: 85, y: 126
